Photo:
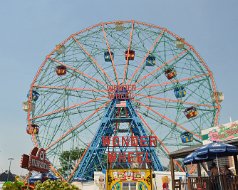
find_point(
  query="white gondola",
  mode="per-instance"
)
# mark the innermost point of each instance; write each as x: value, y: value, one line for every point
x: 60, y: 49
x: 218, y: 95
x: 119, y: 26
x: 25, y: 106
x: 180, y: 43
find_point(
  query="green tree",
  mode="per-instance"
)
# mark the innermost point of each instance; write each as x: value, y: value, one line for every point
x: 68, y: 160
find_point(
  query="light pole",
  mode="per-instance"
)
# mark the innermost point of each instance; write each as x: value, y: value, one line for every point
x: 10, y: 159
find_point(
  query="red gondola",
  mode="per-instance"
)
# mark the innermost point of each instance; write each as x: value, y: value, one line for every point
x: 32, y: 129
x: 61, y: 70
x: 191, y: 112
x: 130, y: 55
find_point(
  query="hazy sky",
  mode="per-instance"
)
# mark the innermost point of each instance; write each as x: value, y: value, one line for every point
x: 29, y: 30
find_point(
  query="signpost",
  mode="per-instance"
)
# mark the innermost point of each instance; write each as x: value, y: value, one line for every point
x: 36, y: 161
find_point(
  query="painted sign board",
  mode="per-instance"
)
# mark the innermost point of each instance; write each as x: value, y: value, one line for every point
x: 36, y: 161
x: 121, y: 178
x: 222, y: 132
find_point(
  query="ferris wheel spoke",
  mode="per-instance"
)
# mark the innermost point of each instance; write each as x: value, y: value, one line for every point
x: 165, y: 149
x: 67, y: 108
x: 111, y: 57
x: 156, y: 41
x: 175, y: 101
x: 163, y: 65
x: 166, y: 118
x: 83, y: 110
x: 193, y: 92
x: 94, y: 61
x: 189, y: 79
x: 52, y: 168
x: 75, y: 133
x: 70, y: 89
x: 77, y: 126
x: 127, y: 59
x: 78, y: 71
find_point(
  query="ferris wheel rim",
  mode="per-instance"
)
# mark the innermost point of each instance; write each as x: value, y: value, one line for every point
x: 48, y: 57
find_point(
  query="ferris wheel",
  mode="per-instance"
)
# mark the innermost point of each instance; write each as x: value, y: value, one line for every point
x: 174, y: 95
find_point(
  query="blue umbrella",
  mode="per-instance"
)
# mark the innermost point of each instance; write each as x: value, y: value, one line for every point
x: 194, y: 159
x: 217, y: 149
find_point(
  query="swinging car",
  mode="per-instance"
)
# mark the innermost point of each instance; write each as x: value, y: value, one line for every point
x: 130, y: 55
x: 218, y: 95
x: 61, y: 70
x: 180, y: 43
x: 35, y: 95
x: 60, y: 49
x: 107, y: 56
x: 186, y: 137
x: 179, y: 92
x: 191, y: 112
x: 170, y: 73
x: 25, y: 106
x: 150, y: 60
x: 32, y: 129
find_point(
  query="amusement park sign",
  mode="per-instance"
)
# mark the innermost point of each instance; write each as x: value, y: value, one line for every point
x: 121, y: 91
x: 36, y: 161
x: 220, y: 133
x: 126, y: 141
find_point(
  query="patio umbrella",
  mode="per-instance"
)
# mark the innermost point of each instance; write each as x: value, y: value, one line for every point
x: 217, y: 149
x: 194, y: 159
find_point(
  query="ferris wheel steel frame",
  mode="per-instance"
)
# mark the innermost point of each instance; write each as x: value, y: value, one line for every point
x: 102, y: 78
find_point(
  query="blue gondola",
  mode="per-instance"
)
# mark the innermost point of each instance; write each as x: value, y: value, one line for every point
x: 179, y: 92
x: 186, y: 137
x: 107, y: 56
x: 150, y: 60
x: 35, y: 95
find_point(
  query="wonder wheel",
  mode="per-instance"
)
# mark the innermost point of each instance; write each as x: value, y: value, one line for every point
x: 72, y: 100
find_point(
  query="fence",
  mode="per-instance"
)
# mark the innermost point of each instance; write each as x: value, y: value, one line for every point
x: 221, y: 182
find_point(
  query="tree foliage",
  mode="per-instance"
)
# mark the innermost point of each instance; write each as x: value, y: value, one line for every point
x: 68, y: 160
x: 54, y: 185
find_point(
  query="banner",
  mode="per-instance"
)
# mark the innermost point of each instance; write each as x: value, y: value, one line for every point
x: 222, y: 132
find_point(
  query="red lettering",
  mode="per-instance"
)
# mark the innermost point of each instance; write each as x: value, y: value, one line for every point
x: 147, y: 160
x: 122, y: 157
x: 106, y: 141
x: 130, y: 157
x: 143, y: 141
x: 134, y: 141
x: 133, y: 87
x: 139, y: 157
x: 110, y: 88
x: 115, y: 141
x: 111, y: 96
x: 112, y: 156
x: 153, y: 141
x: 126, y: 141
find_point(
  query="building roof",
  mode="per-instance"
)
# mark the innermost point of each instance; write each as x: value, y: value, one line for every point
x: 182, y: 153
